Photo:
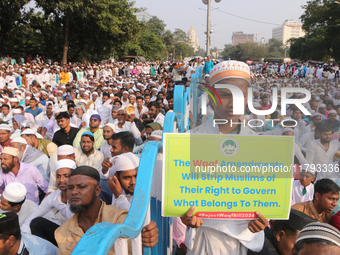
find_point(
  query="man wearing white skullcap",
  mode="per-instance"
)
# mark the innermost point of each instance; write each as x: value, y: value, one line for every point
x: 64, y: 152
x: 332, y: 121
x: 15, y: 171
x: 323, y: 110
x: 108, y: 130
x: 316, y: 118
x: 156, y: 135
x: 122, y: 184
x: 13, y: 199
x: 5, y: 136
x: 32, y: 156
x: 56, y: 200
x: 230, y: 237
x: 45, y: 146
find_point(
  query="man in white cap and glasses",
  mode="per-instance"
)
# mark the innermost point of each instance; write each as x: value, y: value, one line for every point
x: 64, y: 152
x: 15, y: 171
x: 57, y: 200
x: 5, y: 136
x: 122, y: 184
x: 13, y: 199
x: 32, y: 156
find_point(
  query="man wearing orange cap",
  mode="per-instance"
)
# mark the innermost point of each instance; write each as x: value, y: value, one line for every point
x: 234, y: 73
x: 218, y: 236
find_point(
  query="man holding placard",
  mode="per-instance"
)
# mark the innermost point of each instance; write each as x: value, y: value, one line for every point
x: 212, y: 236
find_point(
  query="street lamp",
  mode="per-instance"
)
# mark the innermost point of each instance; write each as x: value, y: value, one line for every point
x: 208, y: 3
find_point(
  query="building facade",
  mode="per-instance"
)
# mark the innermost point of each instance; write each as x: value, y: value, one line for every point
x: 240, y: 37
x: 193, y: 41
x: 289, y: 29
x: 143, y: 16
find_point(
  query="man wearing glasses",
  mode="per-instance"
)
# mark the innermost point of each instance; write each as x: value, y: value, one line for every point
x: 95, y: 121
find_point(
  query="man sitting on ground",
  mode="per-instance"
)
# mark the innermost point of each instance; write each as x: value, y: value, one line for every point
x: 326, y: 195
x: 83, y: 192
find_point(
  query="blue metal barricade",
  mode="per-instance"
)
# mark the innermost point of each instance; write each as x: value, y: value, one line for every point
x: 99, y: 239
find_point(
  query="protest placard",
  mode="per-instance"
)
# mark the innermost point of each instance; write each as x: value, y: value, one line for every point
x: 227, y: 176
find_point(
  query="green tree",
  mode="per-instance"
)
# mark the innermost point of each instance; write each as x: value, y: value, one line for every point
x: 151, y: 45
x: 155, y: 25
x: 10, y: 15
x: 200, y: 52
x: 168, y: 40
x: 91, y: 29
x: 230, y: 52
x: 275, y: 49
x: 321, y: 23
x: 308, y: 49
x: 244, y: 51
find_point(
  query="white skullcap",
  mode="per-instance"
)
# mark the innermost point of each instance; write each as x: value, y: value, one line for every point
x: 157, y: 134
x: 65, y: 163
x: 11, y: 151
x: 125, y: 92
x: 15, y: 192
x: 113, y: 127
x: 95, y: 93
x: 5, y: 127
x: 14, y: 100
x: 16, y: 111
x: 284, y: 130
x: 19, y: 139
x: 120, y: 109
x: 316, y: 114
x: 322, y: 105
x: 28, y: 132
x: 332, y: 111
x: 82, y: 101
x: 125, y: 162
x: 154, y: 89
x: 65, y: 150
x: 27, y: 98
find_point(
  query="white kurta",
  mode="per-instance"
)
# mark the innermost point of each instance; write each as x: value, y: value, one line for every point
x: 52, y: 201
x: 316, y: 153
x: 297, y: 196
x: 229, y: 237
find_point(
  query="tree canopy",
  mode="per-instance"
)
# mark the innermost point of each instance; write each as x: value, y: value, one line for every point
x: 85, y: 30
x: 321, y: 22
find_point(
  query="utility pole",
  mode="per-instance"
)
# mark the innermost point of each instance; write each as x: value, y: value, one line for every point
x: 208, y: 28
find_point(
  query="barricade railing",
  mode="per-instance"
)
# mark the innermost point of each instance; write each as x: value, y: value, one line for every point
x: 99, y: 239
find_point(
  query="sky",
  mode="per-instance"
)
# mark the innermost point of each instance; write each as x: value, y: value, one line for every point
x: 184, y: 13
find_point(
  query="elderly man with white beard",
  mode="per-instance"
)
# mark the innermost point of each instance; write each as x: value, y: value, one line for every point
x: 32, y: 156
x: 81, y: 117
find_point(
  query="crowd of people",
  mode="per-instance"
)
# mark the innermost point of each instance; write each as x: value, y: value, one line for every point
x: 71, y: 138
